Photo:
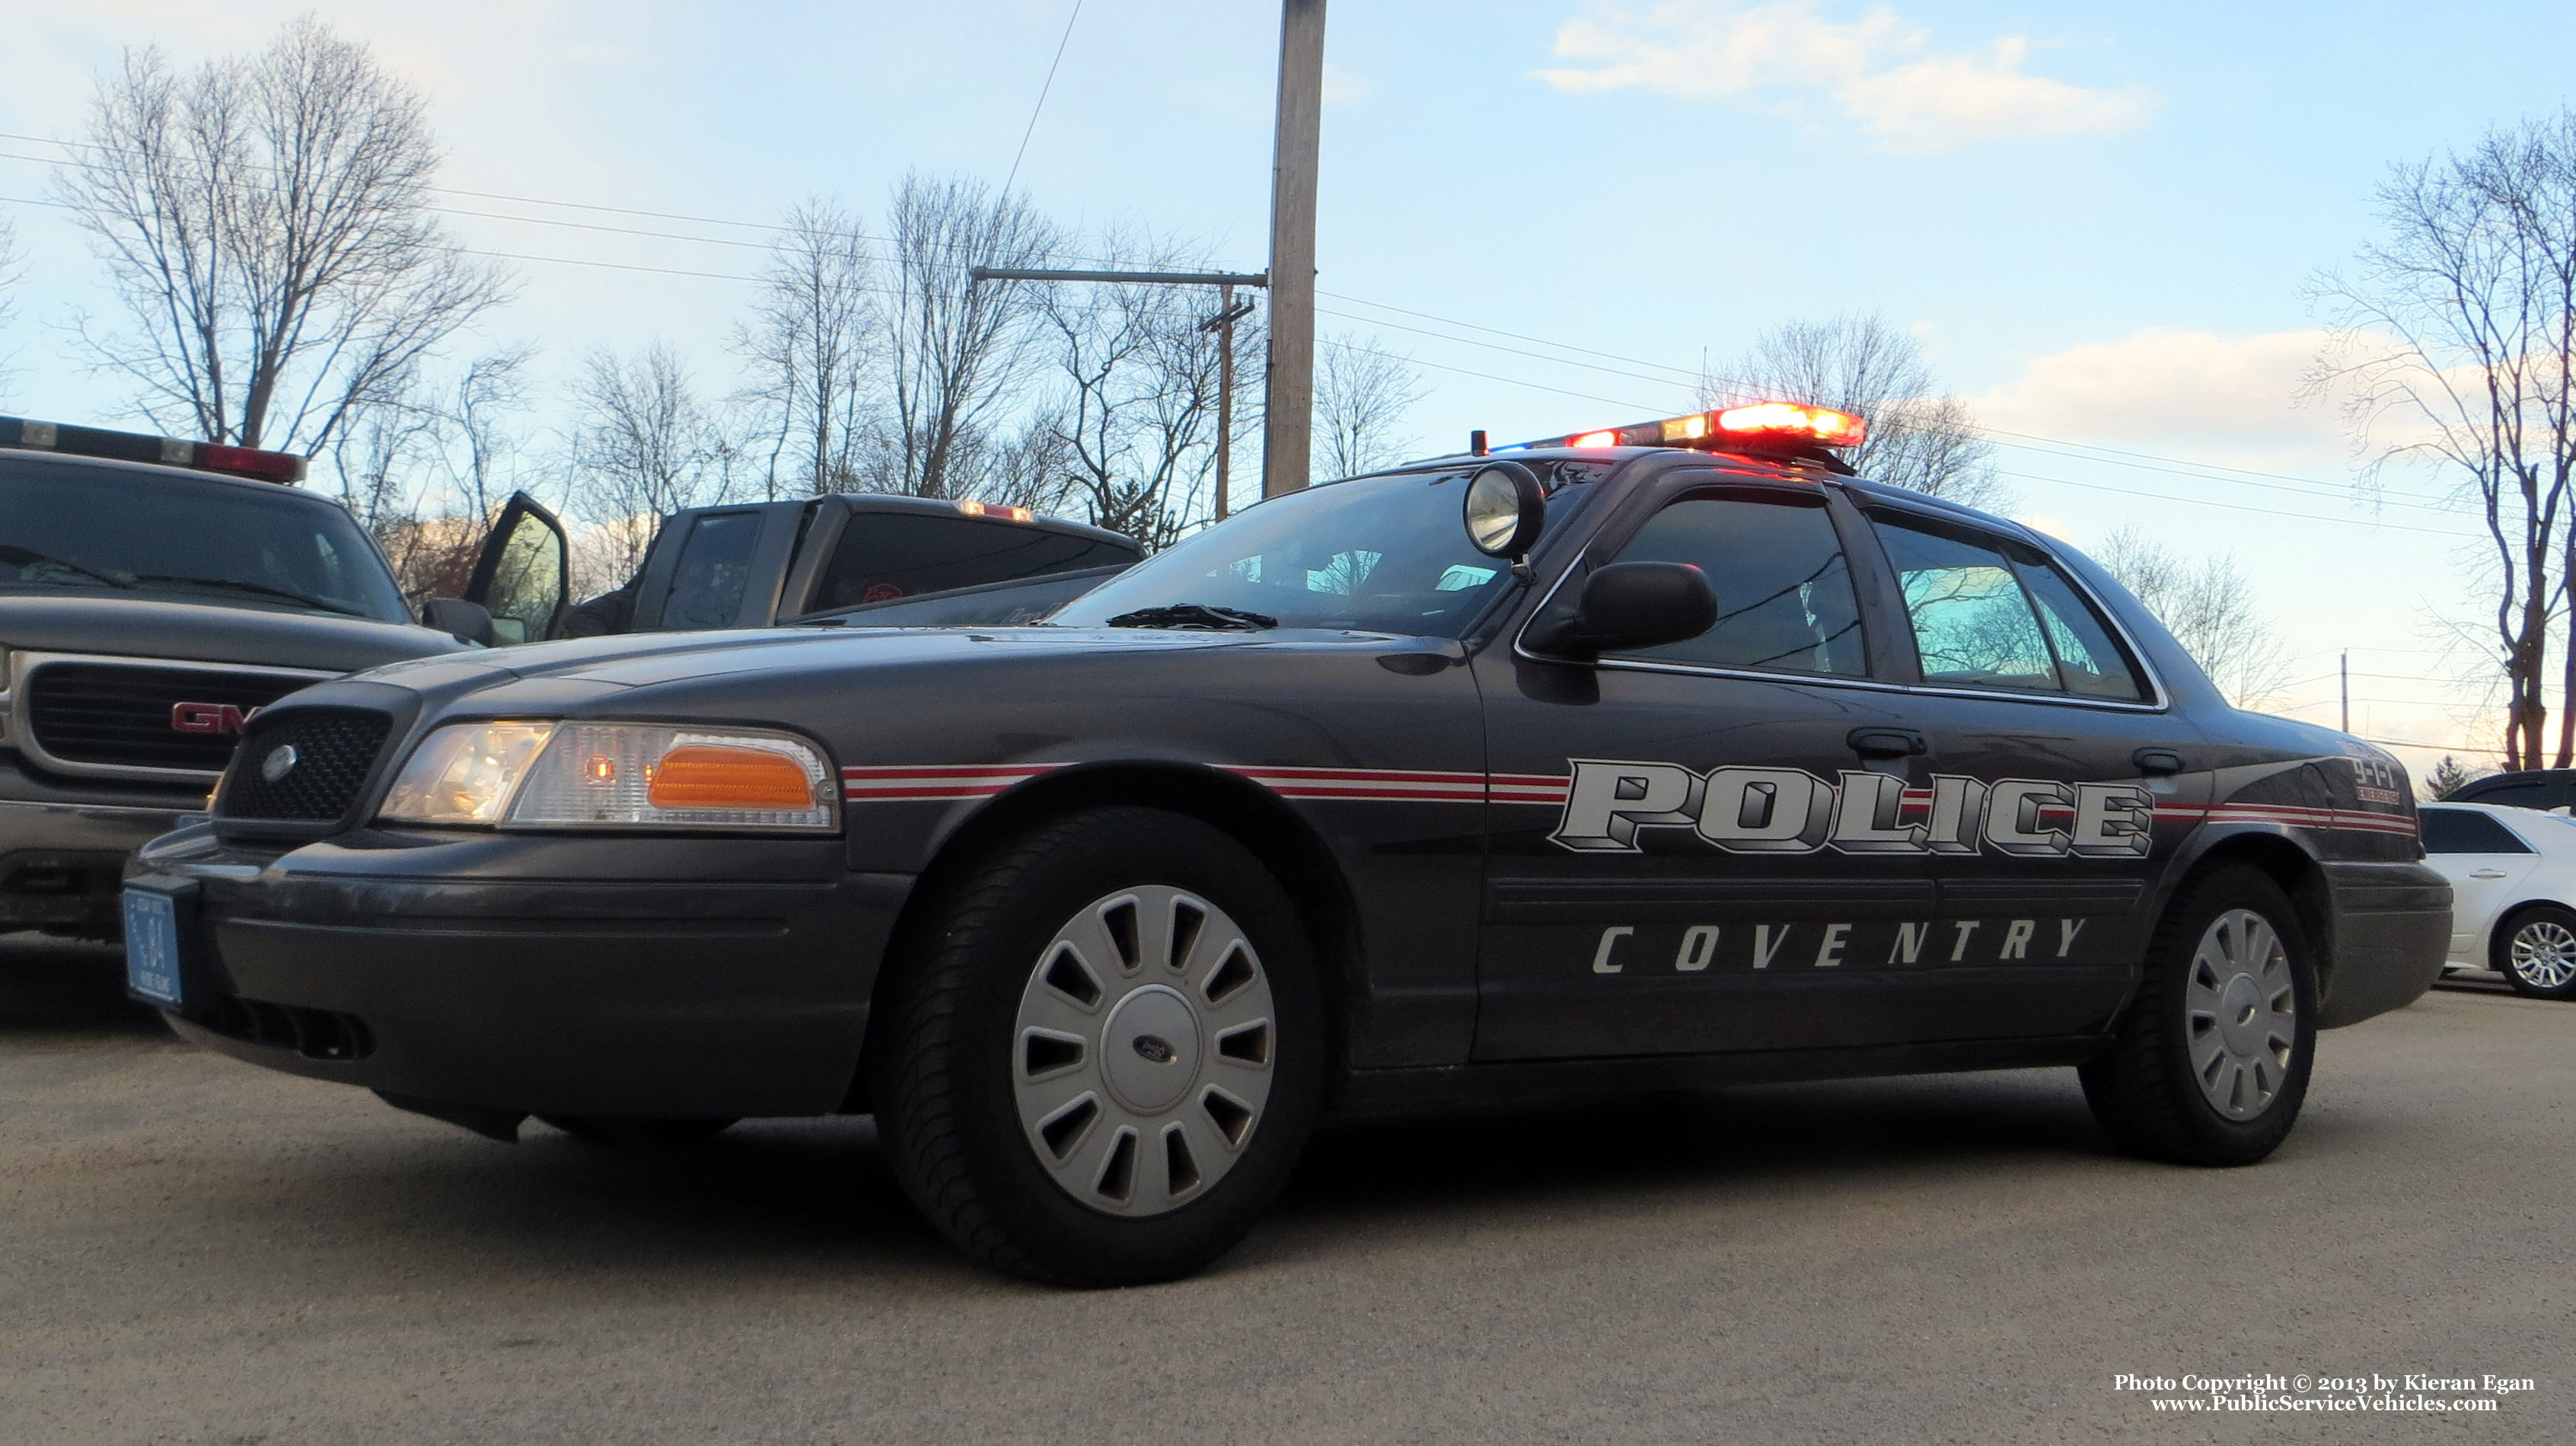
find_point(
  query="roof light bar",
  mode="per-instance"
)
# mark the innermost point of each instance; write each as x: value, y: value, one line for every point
x: 1758, y: 427
x: 34, y: 436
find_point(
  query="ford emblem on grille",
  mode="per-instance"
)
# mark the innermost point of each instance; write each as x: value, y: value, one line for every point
x: 279, y: 762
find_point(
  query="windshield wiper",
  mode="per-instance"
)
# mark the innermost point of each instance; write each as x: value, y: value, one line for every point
x: 28, y: 557
x: 262, y: 589
x: 1196, y: 618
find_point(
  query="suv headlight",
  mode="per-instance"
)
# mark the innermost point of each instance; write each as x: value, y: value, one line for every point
x: 614, y: 775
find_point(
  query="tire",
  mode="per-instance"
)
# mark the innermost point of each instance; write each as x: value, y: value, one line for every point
x: 2535, y: 951
x: 2211, y: 1065
x: 1038, y: 1052
x: 637, y: 1133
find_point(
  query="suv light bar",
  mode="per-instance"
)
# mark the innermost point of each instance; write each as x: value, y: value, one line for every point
x: 1789, y: 427
x: 281, y: 467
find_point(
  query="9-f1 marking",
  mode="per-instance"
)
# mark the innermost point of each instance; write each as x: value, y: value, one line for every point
x: 1792, y: 811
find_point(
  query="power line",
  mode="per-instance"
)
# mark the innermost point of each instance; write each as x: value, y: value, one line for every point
x: 2112, y: 456
x: 1023, y: 151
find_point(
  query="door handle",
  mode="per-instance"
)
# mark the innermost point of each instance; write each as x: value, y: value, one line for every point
x: 1885, y: 742
x: 2486, y: 873
x: 2157, y: 761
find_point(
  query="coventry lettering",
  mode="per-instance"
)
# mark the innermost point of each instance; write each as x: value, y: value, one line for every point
x: 1868, y: 944
x: 1791, y: 811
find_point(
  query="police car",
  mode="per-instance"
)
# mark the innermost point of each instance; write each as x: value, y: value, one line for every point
x: 1661, y: 756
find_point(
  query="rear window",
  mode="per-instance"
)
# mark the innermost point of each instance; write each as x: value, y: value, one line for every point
x: 2458, y: 831
x: 886, y: 556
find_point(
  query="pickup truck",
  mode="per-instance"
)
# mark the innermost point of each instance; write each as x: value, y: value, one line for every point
x: 155, y: 594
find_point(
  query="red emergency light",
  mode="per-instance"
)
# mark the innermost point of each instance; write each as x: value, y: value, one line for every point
x: 1754, y: 427
x: 280, y: 467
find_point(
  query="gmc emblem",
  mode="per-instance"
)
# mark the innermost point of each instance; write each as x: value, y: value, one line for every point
x: 207, y: 717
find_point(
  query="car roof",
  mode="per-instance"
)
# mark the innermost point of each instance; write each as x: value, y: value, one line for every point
x: 943, y: 507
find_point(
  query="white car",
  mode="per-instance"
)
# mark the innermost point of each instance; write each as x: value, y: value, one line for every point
x: 2513, y: 879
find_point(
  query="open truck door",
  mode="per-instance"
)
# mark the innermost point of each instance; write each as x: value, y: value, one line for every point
x: 520, y: 586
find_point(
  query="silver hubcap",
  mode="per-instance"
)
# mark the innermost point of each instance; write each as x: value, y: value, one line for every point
x: 2242, y: 1013
x: 2544, y: 954
x: 1142, y: 1057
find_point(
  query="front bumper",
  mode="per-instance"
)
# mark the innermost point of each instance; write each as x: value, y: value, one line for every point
x: 539, y: 975
x: 2392, y: 929
x: 63, y: 848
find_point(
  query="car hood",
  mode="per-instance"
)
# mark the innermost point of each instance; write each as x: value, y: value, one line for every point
x: 144, y: 627
x: 658, y: 658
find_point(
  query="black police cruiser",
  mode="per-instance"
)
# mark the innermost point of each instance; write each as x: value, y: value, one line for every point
x: 1662, y: 756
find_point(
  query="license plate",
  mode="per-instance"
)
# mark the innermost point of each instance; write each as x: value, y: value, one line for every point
x: 152, y: 946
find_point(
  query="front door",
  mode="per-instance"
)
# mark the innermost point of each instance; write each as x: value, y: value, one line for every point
x: 523, y: 572
x: 1702, y: 846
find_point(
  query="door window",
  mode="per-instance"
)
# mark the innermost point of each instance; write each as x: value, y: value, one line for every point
x: 714, y: 572
x: 526, y: 588
x: 2458, y: 831
x: 1784, y: 593
x: 1988, y: 618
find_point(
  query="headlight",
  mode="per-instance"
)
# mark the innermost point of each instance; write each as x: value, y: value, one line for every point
x: 614, y: 775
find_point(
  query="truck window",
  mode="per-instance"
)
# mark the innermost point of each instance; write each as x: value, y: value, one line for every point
x: 713, y: 572
x: 72, y: 527
x: 883, y: 556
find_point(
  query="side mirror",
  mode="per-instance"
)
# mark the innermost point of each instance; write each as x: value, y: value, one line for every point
x: 1631, y: 605
x: 1504, y: 511
x: 464, y: 621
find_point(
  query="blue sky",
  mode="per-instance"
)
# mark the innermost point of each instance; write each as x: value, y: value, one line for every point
x: 2099, y: 219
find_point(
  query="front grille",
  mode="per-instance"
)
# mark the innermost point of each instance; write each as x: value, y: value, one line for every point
x: 117, y: 716
x: 334, y: 749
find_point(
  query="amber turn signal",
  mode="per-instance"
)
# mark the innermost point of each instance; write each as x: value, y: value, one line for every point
x: 707, y: 775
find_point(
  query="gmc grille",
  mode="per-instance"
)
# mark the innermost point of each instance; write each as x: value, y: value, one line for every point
x: 334, y: 749
x: 120, y: 717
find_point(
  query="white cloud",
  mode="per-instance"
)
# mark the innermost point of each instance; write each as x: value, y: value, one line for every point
x: 1877, y: 71
x: 2189, y: 393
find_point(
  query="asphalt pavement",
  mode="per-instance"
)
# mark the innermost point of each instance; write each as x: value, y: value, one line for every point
x: 196, y: 1251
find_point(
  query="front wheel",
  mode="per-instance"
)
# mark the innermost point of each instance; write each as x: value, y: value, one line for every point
x: 2212, y: 1063
x: 1102, y: 1049
x: 2536, y: 952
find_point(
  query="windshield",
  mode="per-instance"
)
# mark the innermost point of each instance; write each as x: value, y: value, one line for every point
x: 101, y: 530
x: 1375, y: 554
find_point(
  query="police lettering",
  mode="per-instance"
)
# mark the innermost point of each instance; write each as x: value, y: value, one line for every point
x: 1744, y: 810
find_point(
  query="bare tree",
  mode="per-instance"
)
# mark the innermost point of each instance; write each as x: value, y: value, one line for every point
x: 1136, y: 418
x: 2452, y: 346
x: 425, y: 466
x: 10, y: 274
x: 265, y: 224
x: 955, y: 347
x: 810, y: 342
x: 1919, y: 436
x: 644, y: 446
x: 2209, y: 607
x: 1362, y: 394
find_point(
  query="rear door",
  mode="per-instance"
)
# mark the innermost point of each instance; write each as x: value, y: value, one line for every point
x: 2487, y: 865
x: 522, y: 574
x: 2055, y: 740
x: 1699, y: 847
x: 718, y: 567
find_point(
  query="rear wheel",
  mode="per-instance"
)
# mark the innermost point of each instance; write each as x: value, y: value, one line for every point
x: 1102, y: 1050
x: 2211, y: 1066
x: 2535, y: 951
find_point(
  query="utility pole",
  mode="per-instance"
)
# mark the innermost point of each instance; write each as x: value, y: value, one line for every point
x: 1229, y: 311
x: 1288, y: 417
x: 2343, y: 671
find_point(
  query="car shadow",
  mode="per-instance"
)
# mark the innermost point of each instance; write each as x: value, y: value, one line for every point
x: 66, y: 986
